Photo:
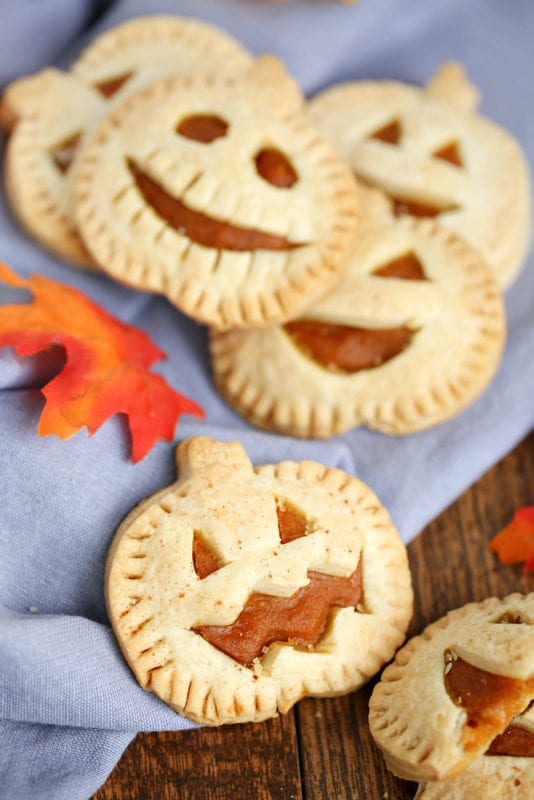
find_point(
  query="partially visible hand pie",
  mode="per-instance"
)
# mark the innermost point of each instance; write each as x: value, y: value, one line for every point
x: 237, y: 591
x: 220, y: 195
x: 434, y: 157
x: 452, y: 692
x: 410, y: 336
x: 506, y: 771
x: 51, y: 112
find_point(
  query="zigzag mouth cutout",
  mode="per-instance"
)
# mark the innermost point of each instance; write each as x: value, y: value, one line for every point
x: 201, y: 228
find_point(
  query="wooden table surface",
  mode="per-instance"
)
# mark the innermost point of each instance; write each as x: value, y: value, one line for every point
x: 322, y: 749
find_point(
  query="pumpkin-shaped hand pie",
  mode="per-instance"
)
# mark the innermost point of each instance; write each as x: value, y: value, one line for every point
x: 411, y: 335
x: 505, y: 771
x: 220, y: 195
x: 237, y: 591
x: 51, y: 112
x: 435, y: 157
x: 452, y: 693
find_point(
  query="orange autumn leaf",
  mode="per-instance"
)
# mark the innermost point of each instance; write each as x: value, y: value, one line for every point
x: 106, y: 371
x: 515, y: 542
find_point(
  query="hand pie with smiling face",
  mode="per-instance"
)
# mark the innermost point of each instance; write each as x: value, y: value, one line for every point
x: 51, y: 112
x: 237, y: 591
x: 411, y: 335
x: 452, y: 693
x: 434, y: 157
x: 220, y: 195
x: 506, y: 770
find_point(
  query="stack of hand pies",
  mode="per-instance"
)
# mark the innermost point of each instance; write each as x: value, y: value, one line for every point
x: 348, y: 256
x: 347, y: 253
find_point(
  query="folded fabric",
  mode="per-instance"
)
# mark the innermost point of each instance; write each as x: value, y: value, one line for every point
x: 69, y: 704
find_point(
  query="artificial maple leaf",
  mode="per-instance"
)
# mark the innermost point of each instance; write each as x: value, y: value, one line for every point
x: 106, y: 371
x: 515, y: 542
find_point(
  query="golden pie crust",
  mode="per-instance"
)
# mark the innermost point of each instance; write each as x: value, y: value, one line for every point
x: 489, y: 777
x: 455, y: 316
x: 404, y: 140
x: 412, y: 717
x: 50, y: 113
x: 157, y: 600
x: 217, y: 185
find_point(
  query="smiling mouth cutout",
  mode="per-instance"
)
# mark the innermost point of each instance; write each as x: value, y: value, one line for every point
x: 201, y: 228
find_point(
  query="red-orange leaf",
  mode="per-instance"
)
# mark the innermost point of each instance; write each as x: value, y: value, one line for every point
x: 106, y: 371
x: 515, y: 542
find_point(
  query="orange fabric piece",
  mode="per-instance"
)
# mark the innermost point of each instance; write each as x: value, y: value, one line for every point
x: 106, y: 371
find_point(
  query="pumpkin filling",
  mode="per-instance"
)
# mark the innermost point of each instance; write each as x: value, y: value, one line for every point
x: 204, y: 128
x: 111, y: 86
x: 342, y: 348
x: 390, y: 133
x: 63, y: 153
x: 275, y: 168
x: 408, y: 267
x: 451, y: 153
x: 514, y: 741
x: 489, y: 700
x: 201, y: 228
x: 403, y: 206
x: 299, y: 620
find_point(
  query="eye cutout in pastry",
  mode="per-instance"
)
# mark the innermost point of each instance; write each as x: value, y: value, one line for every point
x: 453, y: 691
x: 434, y: 156
x: 237, y: 591
x: 409, y: 337
x: 220, y: 195
x: 50, y: 113
x: 506, y: 770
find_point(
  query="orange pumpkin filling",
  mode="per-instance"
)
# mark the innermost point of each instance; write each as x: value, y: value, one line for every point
x: 451, y: 153
x: 389, y: 133
x: 489, y: 700
x: 275, y: 168
x: 416, y: 208
x: 63, y: 153
x: 203, y: 128
x: 342, y: 348
x: 407, y: 267
x: 514, y: 741
x: 109, y: 87
x: 299, y: 620
x: 199, y: 227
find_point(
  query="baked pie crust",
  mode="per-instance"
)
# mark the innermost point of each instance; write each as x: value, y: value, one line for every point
x: 186, y: 565
x: 449, y: 320
x: 242, y: 228
x: 51, y: 112
x: 428, y: 732
x: 433, y: 156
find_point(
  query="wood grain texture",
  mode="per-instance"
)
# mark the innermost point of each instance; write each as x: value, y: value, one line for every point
x: 322, y: 749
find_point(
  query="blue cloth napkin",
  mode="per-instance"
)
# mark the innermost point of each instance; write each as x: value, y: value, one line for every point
x: 68, y: 703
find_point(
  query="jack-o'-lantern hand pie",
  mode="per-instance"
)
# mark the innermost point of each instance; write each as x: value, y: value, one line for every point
x: 434, y: 156
x: 453, y: 692
x: 409, y: 337
x: 220, y: 195
x: 237, y: 591
x: 506, y: 770
x: 50, y: 113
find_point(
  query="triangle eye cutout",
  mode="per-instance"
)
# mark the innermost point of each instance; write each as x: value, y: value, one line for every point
x: 407, y: 267
x: 63, y: 152
x: 450, y: 152
x: 390, y: 133
x: 205, y: 560
x: 111, y: 86
x: 291, y: 523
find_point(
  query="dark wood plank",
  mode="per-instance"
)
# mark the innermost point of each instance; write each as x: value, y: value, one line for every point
x: 323, y: 749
